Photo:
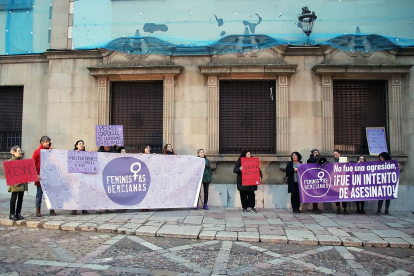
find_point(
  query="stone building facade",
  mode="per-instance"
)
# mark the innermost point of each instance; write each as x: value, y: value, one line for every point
x: 67, y: 92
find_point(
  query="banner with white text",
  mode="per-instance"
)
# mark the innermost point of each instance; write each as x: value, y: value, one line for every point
x: 122, y: 181
x: 335, y: 182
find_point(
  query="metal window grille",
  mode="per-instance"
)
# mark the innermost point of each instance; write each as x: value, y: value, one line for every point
x: 11, y: 113
x: 138, y: 106
x: 247, y: 116
x: 357, y: 104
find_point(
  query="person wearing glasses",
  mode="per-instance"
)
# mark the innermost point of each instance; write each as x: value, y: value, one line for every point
x: 360, y: 210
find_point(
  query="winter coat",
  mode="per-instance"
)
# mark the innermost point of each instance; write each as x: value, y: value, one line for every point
x: 22, y: 187
x: 207, y: 171
x: 312, y: 159
x: 36, y: 157
x: 290, y: 173
x: 240, y: 187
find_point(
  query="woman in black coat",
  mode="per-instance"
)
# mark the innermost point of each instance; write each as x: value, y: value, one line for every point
x: 293, y: 185
x: 384, y: 156
x: 247, y: 195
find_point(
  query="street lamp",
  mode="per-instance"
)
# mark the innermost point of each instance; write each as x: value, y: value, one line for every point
x: 306, y: 21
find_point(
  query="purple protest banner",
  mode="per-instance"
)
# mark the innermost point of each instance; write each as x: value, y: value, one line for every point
x: 82, y: 162
x: 335, y: 182
x: 109, y: 135
x: 123, y: 181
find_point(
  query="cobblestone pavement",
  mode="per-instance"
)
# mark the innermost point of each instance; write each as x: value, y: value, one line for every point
x: 230, y: 224
x: 36, y: 251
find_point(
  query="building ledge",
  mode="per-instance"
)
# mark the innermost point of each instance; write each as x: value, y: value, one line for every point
x: 31, y: 58
x: 283, y: 159
x: 156, y: 70
x: 253, y: 70
x: 332, y: 69
x: 73, y: 54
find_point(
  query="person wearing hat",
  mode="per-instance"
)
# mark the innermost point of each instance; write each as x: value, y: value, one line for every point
x: 313, y: 158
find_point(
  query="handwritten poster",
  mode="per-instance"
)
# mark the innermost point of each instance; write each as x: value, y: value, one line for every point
x: 251, y: 171
x: 377, y: 140
x: 19, y: 171
x: 82, y: 162
x: 109, y: 135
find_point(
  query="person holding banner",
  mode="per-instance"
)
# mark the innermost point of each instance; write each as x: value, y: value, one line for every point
x: 206, y: 177
x: 384, y: 156
x: 337, y: 155
x: 79, y: 146
x: 17, y: 191
x: 247, y: 195
x: 293, y: 185
x: 168, y: 149
x: 362, y: 203
x: 44, y: 144
x: 313, y: 158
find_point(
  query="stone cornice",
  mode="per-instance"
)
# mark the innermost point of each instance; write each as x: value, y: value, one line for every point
x: 73, y: 54
x: 162, y: 70
x: 332, y: 69
x: 251, y: 69
x: 33, y: 58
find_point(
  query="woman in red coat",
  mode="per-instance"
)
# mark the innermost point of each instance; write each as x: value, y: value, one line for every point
x: 44, y: 144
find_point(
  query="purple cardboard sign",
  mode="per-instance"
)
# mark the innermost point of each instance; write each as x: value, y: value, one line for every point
x: 109, y: 135
x: 335, y: 182
x: 82, y: 162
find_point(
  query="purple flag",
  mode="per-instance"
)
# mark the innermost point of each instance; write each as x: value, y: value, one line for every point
x: 109, y: 135
x: 82, y: 162
x: 335, y: 182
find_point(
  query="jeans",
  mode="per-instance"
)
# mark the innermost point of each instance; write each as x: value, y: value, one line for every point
x: 19, y: 197
x: 39, y: 195
x: 387, y: 204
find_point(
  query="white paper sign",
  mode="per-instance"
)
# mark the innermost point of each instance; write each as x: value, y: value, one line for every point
x: 377, y: 140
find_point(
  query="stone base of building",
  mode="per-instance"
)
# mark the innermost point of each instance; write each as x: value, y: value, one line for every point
x: 276, y: 196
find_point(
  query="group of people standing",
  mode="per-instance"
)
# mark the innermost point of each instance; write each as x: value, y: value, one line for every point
x: 247, y: 192
x: 17, y: 191
x: 293, y: 185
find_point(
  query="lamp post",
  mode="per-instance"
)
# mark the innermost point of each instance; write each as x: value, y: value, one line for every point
x: 306, y: 21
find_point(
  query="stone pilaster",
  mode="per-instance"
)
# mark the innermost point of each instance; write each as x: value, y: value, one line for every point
x: 213, y: 114
x: 103, y: 101
x: 395, y: 106
x: 327, y: 115
x: 282, y: 115
x: 168, y: 114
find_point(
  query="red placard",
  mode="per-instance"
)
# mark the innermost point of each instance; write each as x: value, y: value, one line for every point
x: 20, y: 171
x: 251, y: 171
